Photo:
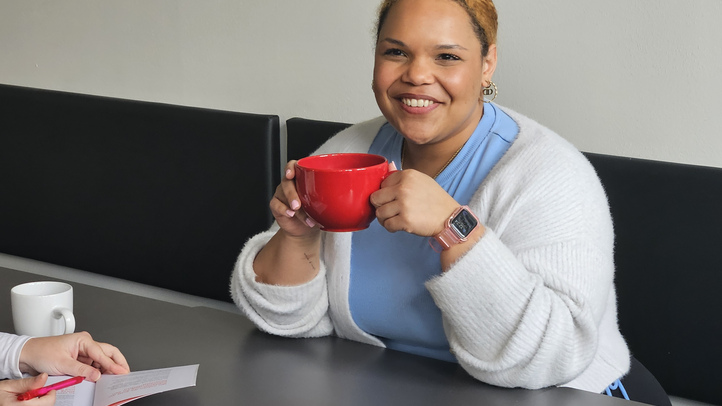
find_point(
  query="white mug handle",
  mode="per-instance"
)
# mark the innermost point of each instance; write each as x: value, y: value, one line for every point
x: 66, y: 314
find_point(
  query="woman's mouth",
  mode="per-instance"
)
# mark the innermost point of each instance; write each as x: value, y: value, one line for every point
x: 416, y: 102
x: 413, y: 105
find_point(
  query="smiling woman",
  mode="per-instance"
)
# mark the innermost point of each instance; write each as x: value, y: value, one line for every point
x: 492, y: 245
x: 428, y: 79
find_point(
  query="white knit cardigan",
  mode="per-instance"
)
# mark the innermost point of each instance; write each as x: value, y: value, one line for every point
x: 531, y: 305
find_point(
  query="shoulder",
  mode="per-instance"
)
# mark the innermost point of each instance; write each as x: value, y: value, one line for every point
x: 543, y: 172
x: 356, y: 138
x: 541, y: 151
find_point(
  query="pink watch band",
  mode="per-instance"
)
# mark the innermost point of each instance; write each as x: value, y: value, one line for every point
x: 449, y: 237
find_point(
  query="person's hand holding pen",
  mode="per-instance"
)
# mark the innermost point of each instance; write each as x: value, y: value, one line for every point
x: 10, y: 389
x: 72, y: 354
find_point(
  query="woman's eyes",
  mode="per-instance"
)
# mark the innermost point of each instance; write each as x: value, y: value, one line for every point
x: 394, y: 52
x: 444, y: 57
x: 448, y: 57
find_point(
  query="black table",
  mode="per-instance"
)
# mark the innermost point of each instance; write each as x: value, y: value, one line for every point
x: 239, y: 365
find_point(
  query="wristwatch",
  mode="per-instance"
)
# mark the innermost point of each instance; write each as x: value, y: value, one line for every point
x: 458, y: 228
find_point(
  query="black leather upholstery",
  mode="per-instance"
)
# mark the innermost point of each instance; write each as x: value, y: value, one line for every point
x: 668, y: 256
x: 304, y: 135
x: 154, y: 193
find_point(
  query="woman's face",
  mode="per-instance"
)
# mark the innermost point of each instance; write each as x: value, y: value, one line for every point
x: 428, y: 71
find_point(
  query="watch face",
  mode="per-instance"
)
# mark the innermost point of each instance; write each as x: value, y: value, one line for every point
x: 463, y: 223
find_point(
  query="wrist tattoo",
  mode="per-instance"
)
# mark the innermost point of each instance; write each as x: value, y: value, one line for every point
x: 309, y: 261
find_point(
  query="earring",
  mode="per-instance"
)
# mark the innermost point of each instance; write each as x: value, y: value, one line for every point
x: 488, y: 91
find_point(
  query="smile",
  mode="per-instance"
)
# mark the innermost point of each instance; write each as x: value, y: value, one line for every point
x: 417, y: 102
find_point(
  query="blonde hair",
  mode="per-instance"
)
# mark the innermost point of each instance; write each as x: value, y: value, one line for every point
x: 481, y: 12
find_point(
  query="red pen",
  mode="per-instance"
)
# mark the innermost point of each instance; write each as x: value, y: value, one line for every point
x: 34, y: 393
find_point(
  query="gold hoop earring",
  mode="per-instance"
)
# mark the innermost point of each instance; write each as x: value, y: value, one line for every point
x: 489, y: 90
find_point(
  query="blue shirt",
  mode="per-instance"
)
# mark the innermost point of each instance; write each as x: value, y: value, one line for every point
x: 387, y: 295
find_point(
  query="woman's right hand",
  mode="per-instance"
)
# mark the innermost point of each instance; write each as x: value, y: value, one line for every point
x: 10, y: 389
x: 286, y: 207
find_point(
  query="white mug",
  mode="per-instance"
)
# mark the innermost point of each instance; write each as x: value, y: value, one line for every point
x: 42, y: 309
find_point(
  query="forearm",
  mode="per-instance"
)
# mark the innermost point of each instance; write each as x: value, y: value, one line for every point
x: 514, y: 319
x: 292, y: 310
x: 288, y: 260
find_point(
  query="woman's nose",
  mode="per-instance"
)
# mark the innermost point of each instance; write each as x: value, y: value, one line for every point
x: 418, y: 72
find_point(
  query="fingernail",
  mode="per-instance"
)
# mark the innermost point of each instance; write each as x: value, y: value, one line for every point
x: 290, y: 213
x: 295, y: 205
x: 310, y: 222
x: 288, y: 173
x: 392, y: 166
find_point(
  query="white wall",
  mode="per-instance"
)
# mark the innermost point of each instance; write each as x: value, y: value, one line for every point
x: 636, y: 78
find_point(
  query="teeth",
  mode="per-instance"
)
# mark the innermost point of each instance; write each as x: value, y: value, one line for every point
x: 417, y: 102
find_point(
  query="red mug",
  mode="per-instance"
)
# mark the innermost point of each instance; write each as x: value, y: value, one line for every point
x: 334, y: 189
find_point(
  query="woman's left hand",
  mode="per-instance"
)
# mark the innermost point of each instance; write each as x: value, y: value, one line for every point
x: 413, y: 202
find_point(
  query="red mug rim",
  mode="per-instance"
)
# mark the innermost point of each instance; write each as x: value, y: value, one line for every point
x: 374, y: 161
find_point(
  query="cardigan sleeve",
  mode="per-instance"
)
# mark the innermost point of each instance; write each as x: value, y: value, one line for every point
x: 290, y: 311
x: 10, y: 348
x: 523, y: 306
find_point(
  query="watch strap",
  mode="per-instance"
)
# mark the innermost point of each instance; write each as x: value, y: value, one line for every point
x: 448, y: 237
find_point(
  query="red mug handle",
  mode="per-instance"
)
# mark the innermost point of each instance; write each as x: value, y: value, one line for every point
x: 391, y: 165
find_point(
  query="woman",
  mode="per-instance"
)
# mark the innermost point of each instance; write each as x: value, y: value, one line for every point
x: 71, y: 354
x: 523, y: 296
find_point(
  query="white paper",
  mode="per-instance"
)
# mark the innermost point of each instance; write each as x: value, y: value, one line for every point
x: 76, y: 395
x: 115, y: 390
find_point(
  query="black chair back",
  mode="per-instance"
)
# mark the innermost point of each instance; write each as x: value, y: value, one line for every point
x: 305, y: 136
x: 668, y: 256
x: 154, y: 193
